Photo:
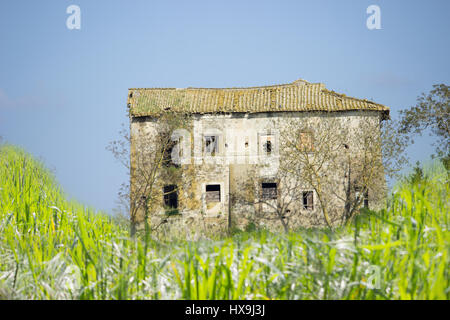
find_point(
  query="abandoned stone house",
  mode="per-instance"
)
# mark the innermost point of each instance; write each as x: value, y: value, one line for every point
x: 228, y: 132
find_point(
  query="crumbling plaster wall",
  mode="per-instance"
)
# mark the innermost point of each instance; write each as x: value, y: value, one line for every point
x: 239, y: 146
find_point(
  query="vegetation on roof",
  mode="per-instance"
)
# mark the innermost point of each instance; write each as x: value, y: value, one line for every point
x: 297, y: 96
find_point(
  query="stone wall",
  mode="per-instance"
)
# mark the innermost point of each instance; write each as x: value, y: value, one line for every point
x: 240, y: 156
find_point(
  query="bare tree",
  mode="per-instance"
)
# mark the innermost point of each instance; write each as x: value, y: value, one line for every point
x: 259, y: 198
x: 146, y: 153
x: 329, y: 167
x: 393, y: 145
x: 340, y: 158
x: 432, y: 112
x: 120, y: 149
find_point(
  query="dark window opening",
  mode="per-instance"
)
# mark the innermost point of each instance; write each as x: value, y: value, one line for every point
x: 171, y: 196
x: 267, y: 147
x: 211, y: 145
x: 365, y: 200
x: 212, y: 193
x: 308, y: 200
x: 266, y: 141
x: 180, y: 149
x: 167, y: 153
x: 269, y: 190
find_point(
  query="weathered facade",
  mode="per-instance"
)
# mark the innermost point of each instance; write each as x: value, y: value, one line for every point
x: 230, y: 166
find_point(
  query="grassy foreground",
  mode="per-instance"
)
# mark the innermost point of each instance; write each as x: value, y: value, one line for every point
x: 51, y: 248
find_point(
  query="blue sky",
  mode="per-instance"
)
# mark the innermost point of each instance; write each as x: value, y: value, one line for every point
x: 63, y: 92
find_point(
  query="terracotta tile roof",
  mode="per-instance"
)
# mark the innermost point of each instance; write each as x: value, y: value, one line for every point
x: 297, y: 96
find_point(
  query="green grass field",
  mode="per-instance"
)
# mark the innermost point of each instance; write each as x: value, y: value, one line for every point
x: 52, y: 248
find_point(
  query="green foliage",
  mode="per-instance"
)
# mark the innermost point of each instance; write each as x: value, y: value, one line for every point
x: 250, y: 227
x: 172, y: 212
x: 431, y: 112
x: 51, y: 248
x: 417, y: 175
